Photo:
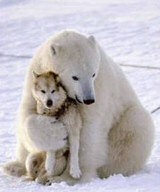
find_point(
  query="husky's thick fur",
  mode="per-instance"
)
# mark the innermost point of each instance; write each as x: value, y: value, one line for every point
x: 52, y: 100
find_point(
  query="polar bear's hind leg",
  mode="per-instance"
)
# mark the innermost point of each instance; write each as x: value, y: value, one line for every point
x: 130, y: 143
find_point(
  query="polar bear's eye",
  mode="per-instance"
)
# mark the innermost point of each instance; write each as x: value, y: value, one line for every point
x: 43, y: 91
x: 93, y: 75
x: 75, y: 78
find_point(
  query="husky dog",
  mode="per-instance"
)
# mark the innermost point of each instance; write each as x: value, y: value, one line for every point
x: 52, y: 100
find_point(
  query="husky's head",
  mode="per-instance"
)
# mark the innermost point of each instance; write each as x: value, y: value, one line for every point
x: 47, y: 90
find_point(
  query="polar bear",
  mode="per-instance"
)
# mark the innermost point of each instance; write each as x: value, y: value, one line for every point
x: 117, y: 133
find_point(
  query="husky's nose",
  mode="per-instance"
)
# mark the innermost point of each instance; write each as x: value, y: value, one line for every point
x: 49, y: 103
x: 89, y: 101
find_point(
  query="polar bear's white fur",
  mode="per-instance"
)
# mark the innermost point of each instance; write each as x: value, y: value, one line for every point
x: 117, y: 133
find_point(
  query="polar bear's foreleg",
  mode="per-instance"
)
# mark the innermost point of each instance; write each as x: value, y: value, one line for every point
x: 130, y: 143
x: 46, y: 133
x: 88, y: 159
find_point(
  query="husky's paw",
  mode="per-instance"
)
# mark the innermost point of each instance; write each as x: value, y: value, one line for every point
x: 75, y: 172
x: 14, y: 168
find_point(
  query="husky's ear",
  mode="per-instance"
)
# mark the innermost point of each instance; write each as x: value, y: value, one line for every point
x: 35, y: 75
x: 92, y: 39
x: 55, y: 48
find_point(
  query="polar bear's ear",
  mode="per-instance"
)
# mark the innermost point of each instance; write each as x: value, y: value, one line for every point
x: 35, y: 75
x: 92, y: 39
x: 57, y: 78
x: 55, y: 48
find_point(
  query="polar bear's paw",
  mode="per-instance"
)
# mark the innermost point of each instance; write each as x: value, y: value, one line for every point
x: 75, y: 172
x: 14, y: 168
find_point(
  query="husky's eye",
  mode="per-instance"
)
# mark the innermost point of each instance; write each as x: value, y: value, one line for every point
x: 53, y: 91
x: 43, y: 91
x: 75, y: 78
x: 93, y: 75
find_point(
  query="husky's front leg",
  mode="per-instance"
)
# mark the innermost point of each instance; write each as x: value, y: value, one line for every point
x: 50, y: 163
x: 73, y: 124
x: 75, y: 171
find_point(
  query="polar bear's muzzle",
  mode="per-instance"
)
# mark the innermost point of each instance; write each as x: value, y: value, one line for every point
x: 88, y: 93
x: 87, y: 101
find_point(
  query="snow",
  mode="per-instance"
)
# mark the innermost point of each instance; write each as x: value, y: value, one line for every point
x: 129, y: 32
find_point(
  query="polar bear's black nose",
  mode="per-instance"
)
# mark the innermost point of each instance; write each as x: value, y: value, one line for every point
x: 89, y: 101
x: 49, y: 103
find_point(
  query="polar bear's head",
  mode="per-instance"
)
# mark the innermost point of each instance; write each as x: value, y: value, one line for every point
x: 75, y: 58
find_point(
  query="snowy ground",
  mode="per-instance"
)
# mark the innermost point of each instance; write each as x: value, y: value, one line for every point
x: 129, y: 31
